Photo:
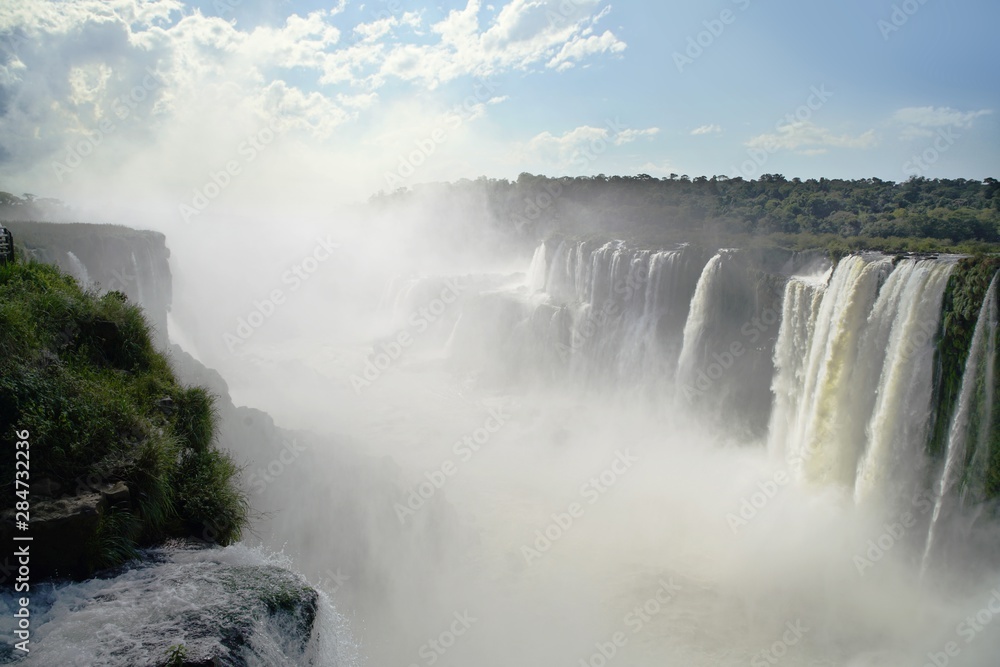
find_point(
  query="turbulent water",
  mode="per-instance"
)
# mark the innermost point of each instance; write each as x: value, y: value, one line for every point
x: 175, y: 598
x: 620, y: 455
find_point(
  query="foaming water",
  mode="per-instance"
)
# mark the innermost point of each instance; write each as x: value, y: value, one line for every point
x: 176, y: 598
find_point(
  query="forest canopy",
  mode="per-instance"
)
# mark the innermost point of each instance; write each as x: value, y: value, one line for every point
x: 947, y: 212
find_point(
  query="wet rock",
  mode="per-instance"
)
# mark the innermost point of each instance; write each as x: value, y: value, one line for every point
x: 63, y: 535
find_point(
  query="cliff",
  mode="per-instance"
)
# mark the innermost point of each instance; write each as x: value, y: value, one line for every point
x: 109, y: 258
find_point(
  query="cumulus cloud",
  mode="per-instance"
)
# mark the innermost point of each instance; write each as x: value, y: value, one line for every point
x: 627, y: 136
x: 161, y: 85
x: 922, y: 121
x: 706, y: 129
x: 588, y: 141
x: 807, y: 138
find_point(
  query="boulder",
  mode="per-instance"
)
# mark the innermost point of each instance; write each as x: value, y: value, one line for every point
x: 62, y: 533
x: 185, y: 606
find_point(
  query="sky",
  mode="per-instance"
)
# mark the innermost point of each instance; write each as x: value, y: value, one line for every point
x: 305, y: 103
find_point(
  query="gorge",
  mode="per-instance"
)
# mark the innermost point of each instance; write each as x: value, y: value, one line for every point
x: 662, y: 453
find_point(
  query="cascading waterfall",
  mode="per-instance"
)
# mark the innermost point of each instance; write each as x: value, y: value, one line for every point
x: 973, y: 491
x: 800, y: 308
x: 820, y: 443
x: 854, y: 366
x: 138, y: 279
x: 610, y: 311
x: 78, y: 270
x: 697, y: 319
x: 899, y: 424
x: 853, y: 359
x: 982, y: 346
x: 538, y: 269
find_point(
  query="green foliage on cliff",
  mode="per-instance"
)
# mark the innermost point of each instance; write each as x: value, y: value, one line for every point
x: 80, y: 373
x: 963, y: 300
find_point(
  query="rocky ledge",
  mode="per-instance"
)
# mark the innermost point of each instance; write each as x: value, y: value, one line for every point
x: 179, y: 606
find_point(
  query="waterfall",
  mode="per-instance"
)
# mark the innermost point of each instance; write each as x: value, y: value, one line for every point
x: 138, y: 280
x: 821, y: 445
x: 800, y: 308
x: 78, y: 270
x: 537, y: 271
x: 697, y: 319
x: 853, y: 374
x: 975, y: 485
x: 899, y: 423
x: 853, y: 359
x: 613, y: 313
x: 958, y: 431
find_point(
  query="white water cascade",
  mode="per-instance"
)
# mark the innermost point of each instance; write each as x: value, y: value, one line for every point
x: 854, y: 363
x: 982, y: 348
x: 819, y: 437
x: 78, y: 270
x: 899, y: 423
x: 694, y: 328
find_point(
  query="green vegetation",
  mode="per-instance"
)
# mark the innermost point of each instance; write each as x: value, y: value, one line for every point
x: 176, y: 655
x: 79, y: 371
x: 920, y: 215
x: 963, y: 299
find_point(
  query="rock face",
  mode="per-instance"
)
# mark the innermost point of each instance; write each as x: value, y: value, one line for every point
x: 184, y: 606
x: 110, y: 258
x: 64, y: 531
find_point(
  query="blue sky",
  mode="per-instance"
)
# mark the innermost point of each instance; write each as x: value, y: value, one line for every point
x: 162, y: 95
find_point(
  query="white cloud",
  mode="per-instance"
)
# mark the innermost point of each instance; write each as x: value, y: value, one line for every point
x: 807, y: 137
x: 582, y: 47
x: 214, y: 81
x: 627, y: 136
x: 562, y: 150
x: 921, y: 122
x: 706, y: 129
x: 938, y: 116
